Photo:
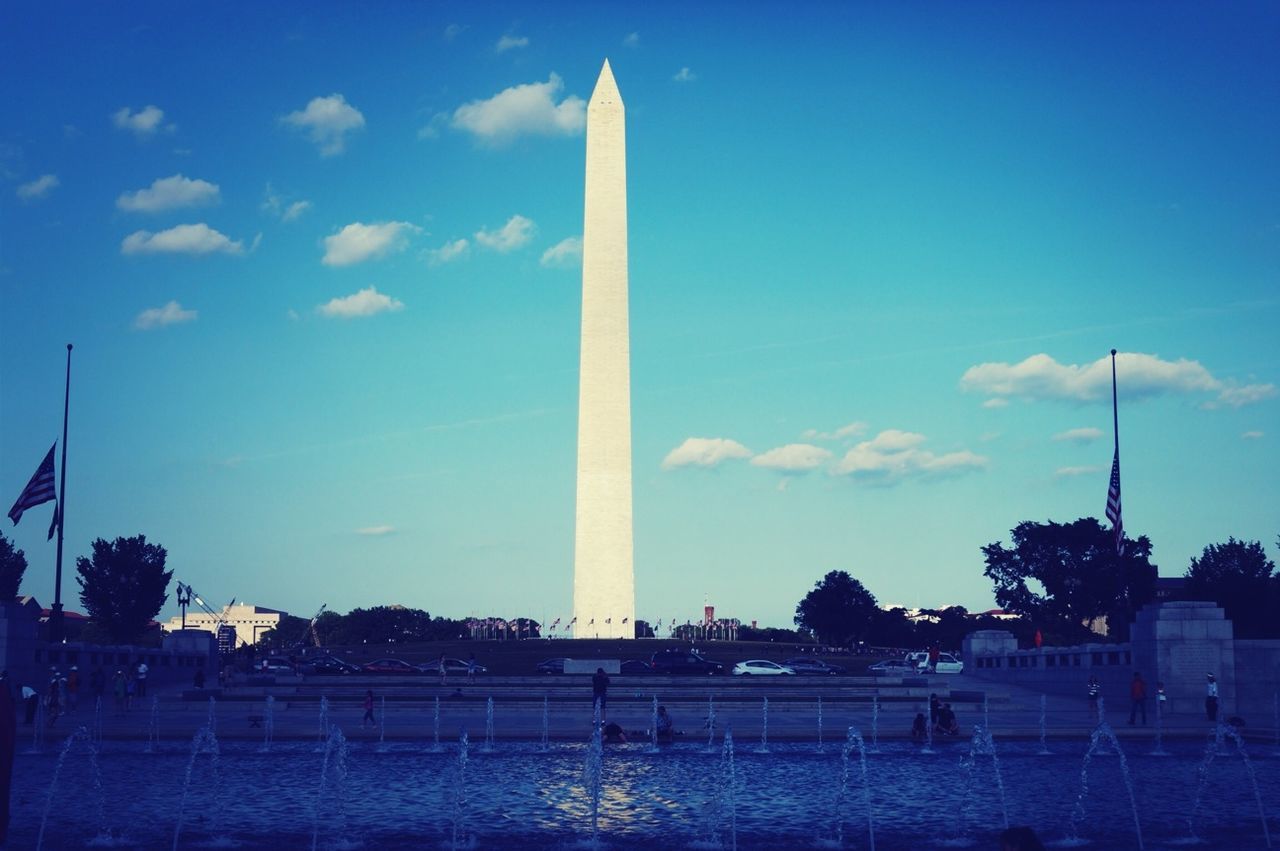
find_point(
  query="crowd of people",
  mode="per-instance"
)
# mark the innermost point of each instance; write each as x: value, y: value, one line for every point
x: 62, y: 693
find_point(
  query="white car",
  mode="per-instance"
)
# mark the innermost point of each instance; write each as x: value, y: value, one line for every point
x: 761, y: 667
x: 947, y: 664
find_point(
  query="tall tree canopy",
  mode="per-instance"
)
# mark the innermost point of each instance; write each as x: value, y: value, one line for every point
x: 13, y: 563
x: 1239, y: 577
x: 123, y: 585
x: 838, y: 610
x: 1081, y: 577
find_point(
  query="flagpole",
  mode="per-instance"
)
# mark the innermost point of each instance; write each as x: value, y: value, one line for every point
x: 55, y: 611
x: 1115, y: 414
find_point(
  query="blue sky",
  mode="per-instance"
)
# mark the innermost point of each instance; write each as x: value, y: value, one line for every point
x: 318, y: 262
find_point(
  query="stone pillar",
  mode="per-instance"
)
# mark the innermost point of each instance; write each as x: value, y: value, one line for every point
x: 1179, y: 644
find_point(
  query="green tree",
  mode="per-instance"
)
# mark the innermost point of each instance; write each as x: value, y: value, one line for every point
x: 838, y: 610
x: 13, y: 563
x: 1080, y: 577
x: 1239, y: 577
x: 123, y: 585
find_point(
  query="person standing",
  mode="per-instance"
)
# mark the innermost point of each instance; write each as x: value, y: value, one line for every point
x: 472, y: 665
x: 1211, y: 699
x: 8, y: 746
x: 1093, y: 689
x: 30, y: 700
x: 1137, y: 698
x: 444, y: 672
x: 73, y: 688
x: 368, y: 710
x: 97, y: 682
x: 119, y: 691
x: 600, y: 690
x: 140, y: 679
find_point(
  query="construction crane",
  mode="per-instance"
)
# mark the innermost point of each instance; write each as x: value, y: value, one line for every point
x: 226, y: 632
x: 310, y: 631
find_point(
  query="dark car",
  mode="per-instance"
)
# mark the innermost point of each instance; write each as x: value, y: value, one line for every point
x: 677, y: 661
x: 328, y: 666
x: 804, y: 665
x: 635, y: 668
x: 451, y: 666
x: 552, y: 666
x: 391, y: 666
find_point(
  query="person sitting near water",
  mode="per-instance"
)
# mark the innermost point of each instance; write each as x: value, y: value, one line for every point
x: 919, y: 730
x: 666, y: 728
x: 614, y: 735
x: 947, y: 724
x: 1020, y: 839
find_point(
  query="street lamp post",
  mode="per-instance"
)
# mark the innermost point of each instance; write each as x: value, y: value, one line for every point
x: 184, y: 600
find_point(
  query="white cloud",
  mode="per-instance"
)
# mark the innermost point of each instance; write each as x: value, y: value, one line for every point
x: 516, y: 233
x: 366, y: 302
x: 794, y: 457
x: 327, y: 121
x: 274, y: 204
x: 527, y: 109
x: 453, y: 31
x: 183, y: 239
x: 1072, y: 472
x: 376, y: 531
x: 1140, y: 375
x: 38, y: 188
x: 1251, y: 435
x: 704, y: 452
x: 510, y: 42
x: 997, y: 402
x: 169, y: 193
x: 684, y: 75
x: 565, y: 253
x: 1079, y: 435
x: 853, y: 429
x: 158, y: 317
x: 631, y: 40
x: 358, y: 242
x: 893, y: 455
x: 144, y: 123
x: 450, y: 251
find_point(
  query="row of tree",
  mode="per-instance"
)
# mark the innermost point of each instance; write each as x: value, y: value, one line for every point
x: 1064, y: 580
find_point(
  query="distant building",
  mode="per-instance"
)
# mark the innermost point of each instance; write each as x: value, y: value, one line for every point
x: 250, y: 622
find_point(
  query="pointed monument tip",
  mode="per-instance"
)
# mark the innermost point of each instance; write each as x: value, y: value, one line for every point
x: 606, y: 87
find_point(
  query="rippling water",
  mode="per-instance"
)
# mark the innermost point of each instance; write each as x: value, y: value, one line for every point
x: 520, y: 797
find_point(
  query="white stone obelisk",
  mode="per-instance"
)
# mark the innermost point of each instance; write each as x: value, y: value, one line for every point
x: 603, y: 579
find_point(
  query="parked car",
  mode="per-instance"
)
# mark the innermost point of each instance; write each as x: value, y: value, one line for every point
x: 552, y: 666
x: 451, y: 666
x: 676, y: 661
x: 947, y: 664
x: 328, y: 666
x: 761, y: 667
x: 635, y: 668
x: 391, y: 666
x: 804, y: 665
x: 891, y: 668
x: 276, y: 665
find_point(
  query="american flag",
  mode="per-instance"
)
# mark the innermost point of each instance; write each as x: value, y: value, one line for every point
x: 1113, y: 504
x: 38, y: 490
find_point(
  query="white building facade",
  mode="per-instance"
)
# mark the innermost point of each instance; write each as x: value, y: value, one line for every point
x: 250, y: 622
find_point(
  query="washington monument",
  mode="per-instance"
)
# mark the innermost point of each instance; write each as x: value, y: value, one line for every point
x: 604, y: 596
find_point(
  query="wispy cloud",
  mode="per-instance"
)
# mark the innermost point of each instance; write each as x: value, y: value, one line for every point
x: 793, y: 458
x: 996, y: 402
x: 376, y: 531
x: 358, y: 242
x: 853, y: 429
x: 38, y: 188
x: 893, y: 456
x: 526, y: 109
x: 453, y: 250
x: 684, y: 75
x: 169, y: 193
x: 510, y: 42
x: 366, y: 302
x: 144, y: 123
x: 1140, y: 376
x: 1078, y: 435
x: 327, y: 121
x: 277, y: 205
x: 1072, y: 472
x: 453, y: 31
x: 516, y: 233
x: 564, y: 254
x: 1252, y: 435
x: 158, y: 317
x: 631, y: 40
x: 183, y: 239
x: 704, y: 452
